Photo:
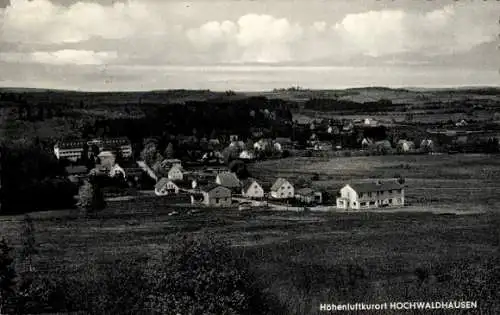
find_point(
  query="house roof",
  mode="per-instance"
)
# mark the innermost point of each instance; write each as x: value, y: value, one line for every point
x: 278, y: 183
x: 73, y: 170
x: 374, y: 187
x: 70, y: 144
x: 161, y: 183
x: 228, y: 179
x: 183, y: 183
x: 247, y: 183
x: 210, y: 187
x: 304, y: 191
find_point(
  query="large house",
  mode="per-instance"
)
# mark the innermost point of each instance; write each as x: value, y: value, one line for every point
x: 228, y: 180
x: 212, y: 195
x: 282, y: 189
x: 371, y: 195
x: 72, y: 150
x: 165, y: 187
x: 175, y: 173
x: 252, y: 189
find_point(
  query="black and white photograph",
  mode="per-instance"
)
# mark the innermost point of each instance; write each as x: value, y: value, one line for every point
x: 249, y: 157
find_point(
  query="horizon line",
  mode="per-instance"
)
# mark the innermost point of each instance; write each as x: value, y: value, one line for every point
x: 278, y: 89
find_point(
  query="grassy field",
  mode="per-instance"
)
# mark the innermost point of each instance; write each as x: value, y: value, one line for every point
x: 305, y: 259
x: 302, y: 259
x: 466, y: 182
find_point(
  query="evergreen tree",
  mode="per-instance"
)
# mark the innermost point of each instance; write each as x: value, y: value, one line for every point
x: 169, y: 151
x: 29, y: 244
x: 91, y: 198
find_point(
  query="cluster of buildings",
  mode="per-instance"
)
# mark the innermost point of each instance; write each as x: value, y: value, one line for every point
x: 217, y: 187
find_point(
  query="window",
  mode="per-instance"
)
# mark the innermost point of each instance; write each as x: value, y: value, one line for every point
x: 216, y: 200
x: 289, y: 193
x: 369, y: 194
x: 390, y: 191
x: 282, y: 194
x: 390, y: 201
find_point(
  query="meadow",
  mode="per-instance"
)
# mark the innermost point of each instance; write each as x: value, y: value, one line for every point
x: 305, y: 259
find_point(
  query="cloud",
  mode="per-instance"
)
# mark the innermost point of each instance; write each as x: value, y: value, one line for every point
x: 252, y: 38
x: 446, y: 30
x: 61, y: 57
x: 153, y: 33
x: 41, y: 21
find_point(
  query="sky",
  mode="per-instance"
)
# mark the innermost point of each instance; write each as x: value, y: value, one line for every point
x: 247, y: 45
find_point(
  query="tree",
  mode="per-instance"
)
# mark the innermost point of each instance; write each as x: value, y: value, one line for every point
x: 239, y: 168
x: 91, y: 197
x: 150, y: 153
x: 28, y: 239
x: 7, y: 276
x: 169, y: 151
x: 202, y: 276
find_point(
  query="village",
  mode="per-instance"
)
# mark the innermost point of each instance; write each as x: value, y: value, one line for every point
x: 219, y: 177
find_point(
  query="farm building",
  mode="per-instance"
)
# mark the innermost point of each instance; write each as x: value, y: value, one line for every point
x: 309, y: 196
x: 165, y: 187
x: 371, y: 195
x: 282, y: 189
x: 212, y: 195
x: 175, y: 173
x: 228, y: 180
x: 252, y: 189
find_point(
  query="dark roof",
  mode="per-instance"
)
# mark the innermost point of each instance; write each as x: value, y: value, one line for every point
x: 247, y: 183
x: 70, y: 144
x: 374, y: 187
x: 184, y: 183
x: 74, y: 170
x: 304, y: 191
x: 278, y: 183
x: 210, y: 187
x: 228, y: 179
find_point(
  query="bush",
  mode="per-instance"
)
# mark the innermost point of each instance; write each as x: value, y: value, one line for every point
x: 91, y: 198
x: 202, y: 277
x: 7, y: 277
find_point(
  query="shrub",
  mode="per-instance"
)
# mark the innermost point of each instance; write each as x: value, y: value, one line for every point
x: 201, y: 276
x: 7, y: 277
x: 90, y: 197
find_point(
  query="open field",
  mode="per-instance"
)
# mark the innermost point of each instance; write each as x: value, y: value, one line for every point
x: 460, y: 182
x: 299, y: 258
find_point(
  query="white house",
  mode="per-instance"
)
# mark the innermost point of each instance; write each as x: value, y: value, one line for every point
x: 366, y: 142
x: 107, y: 159
x: 252, y: 189
x: 247, y: 155
x: 370, y: 122
x: 282, y: 189
x: 165, y: 187
x: 371, y: 195
x: 175, y: 173
x: 405, y: 146
x: 117, y: 170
